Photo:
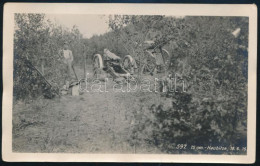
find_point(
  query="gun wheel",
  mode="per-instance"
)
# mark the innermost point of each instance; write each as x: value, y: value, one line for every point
x: 128, y: 64
x: 97, y: 65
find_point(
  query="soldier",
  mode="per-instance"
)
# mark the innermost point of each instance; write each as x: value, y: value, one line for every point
x: 155, y: 52
x: 68, y: 60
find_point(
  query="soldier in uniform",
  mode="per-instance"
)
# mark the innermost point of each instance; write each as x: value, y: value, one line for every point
x: 68, y: 61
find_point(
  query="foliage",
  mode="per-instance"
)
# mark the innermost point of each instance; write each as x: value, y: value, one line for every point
x: 188, y: 122
x: 204, y: 54
x: 133, y: 30
x: 213, y: 65
x: 39, y: 41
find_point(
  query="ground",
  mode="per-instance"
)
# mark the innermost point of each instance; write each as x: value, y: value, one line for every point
x: 92, y: 122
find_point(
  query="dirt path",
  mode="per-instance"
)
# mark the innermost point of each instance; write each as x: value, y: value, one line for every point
x: 90, y: 123
x: 93, y: 122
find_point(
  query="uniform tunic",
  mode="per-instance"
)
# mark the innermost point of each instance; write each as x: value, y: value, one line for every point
x: 68, y: 60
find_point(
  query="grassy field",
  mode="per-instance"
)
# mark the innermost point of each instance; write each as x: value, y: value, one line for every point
x: 90, y: 123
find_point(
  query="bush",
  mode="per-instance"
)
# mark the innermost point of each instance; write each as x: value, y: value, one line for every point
x: 188, y: 122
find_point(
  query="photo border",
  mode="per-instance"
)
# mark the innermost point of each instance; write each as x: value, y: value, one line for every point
x: 136, y: 9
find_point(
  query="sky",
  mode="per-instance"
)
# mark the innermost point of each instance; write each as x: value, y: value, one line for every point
x: 88, y: 25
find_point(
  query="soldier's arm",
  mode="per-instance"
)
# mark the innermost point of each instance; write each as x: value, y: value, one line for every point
x: 60, y: 54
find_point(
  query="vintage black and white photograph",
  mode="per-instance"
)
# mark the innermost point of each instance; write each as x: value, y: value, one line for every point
x: 130, y: 84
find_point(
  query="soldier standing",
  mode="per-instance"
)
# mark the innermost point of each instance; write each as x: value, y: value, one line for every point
x: 68, y: 60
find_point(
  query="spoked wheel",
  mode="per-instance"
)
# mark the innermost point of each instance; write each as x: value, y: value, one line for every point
x: 97, y: 65
x: 129, y: 64
x: 166, y: 58
x: 148, y: 64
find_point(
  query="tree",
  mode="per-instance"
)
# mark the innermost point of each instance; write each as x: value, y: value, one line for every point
x: 211, y: 61
x: 37, y: 44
